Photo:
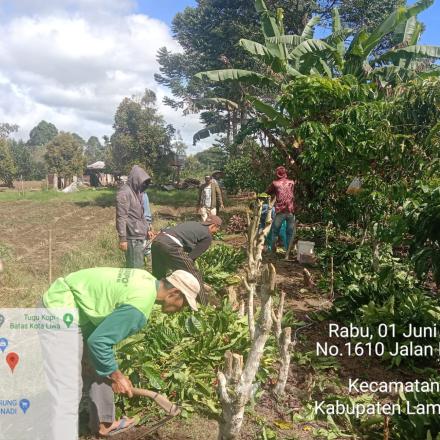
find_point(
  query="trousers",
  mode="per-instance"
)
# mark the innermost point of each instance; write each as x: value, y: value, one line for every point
x: 167, y: 255
x: 134, y: 257
x: 290, y: 228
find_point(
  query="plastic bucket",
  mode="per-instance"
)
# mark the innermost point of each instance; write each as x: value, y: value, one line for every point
x: 305, y: 250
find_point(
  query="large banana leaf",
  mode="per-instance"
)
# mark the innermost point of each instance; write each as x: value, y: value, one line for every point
x: 337, y: 30
x: 270, y: 112
x: 325, y: 68
x: 392, y: 74
x: 289, y: 40
x: 208, y: 131
x: 309, y: 47
x: 401, y: 14
x: 408, y: 32
x: 277, y: 64
x: 270, y: 29
x: 237, y: 75
x: 410, y: 53
x: 309, y: 29
x: 290, y: 71
x: 434, y: 71
x: 260, y: 6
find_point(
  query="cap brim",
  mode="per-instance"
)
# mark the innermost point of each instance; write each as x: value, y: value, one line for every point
x: 189, y: 299
x: 192, y: 302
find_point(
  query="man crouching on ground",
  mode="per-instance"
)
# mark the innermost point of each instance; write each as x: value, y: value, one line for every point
x: 112, y: 304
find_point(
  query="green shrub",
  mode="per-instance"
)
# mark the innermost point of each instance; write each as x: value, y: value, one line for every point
x: 180, y: 354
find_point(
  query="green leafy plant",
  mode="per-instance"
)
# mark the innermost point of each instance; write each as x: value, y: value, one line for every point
x: 180, y: 354
x: 426, y: 228
x: 219, y: 264
x: 413, y: 308
x: 420, y: 426
x: 358, y: 283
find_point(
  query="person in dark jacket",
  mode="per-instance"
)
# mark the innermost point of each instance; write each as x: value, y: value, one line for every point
x: 131, y: 224
x: 178, y: 247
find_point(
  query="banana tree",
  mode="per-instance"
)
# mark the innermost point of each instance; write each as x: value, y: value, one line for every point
x: 289, y: 57
x: 284, y: 57
x: 404, y: 61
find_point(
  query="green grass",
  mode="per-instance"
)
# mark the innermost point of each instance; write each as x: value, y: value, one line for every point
x: 88, y: 195
x: 101, y: 252
x: 104, y: 196
x: 28, y: 284
x: 174, y: 198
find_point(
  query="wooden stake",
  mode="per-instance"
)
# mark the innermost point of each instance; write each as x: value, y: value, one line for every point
x: 50, y: 256
x: 332, y: 277
x: 386, y: 431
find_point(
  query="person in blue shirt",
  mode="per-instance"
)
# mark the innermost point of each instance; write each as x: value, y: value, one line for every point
x: 149, y: 218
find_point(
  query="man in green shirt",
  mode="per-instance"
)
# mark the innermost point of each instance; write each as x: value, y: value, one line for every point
x: 112, y: 304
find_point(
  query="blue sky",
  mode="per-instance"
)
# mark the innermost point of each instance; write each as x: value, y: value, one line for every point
x: 166, y: 9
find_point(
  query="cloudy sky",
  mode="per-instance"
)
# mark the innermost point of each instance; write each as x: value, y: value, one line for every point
x: 71, y: 62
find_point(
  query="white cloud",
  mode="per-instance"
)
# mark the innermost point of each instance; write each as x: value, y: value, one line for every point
x: 61, y: 61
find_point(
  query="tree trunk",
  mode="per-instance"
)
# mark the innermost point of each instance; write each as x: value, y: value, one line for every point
x: 285, y: 342
x: 235, y: 385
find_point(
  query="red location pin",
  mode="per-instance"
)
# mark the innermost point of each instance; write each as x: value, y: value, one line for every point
x: 12, y: 360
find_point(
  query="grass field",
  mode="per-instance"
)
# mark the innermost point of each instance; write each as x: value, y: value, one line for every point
x: 81, y: 227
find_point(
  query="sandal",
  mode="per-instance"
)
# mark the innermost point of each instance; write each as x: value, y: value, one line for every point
x: 123, y: 426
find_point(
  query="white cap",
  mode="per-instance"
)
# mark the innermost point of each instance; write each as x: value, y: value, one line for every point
x: 188, y: 284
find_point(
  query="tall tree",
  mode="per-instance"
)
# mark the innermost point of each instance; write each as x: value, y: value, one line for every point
x: 42, y: 133
x: 7, y: 166
x: 24, y: 163
x: 94, y: 150
x: 140, y: 136
x: 64, y: 155
x: 208, y: 34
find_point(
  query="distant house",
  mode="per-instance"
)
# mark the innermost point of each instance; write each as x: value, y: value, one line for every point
x: 97, y: 175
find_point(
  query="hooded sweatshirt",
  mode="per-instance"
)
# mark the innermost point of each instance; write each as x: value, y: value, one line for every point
x: 130, y: 221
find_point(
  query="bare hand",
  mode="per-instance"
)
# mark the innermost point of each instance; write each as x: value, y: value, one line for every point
x: 123, y: 246
x: 121, y: 384
x: 151, y: 234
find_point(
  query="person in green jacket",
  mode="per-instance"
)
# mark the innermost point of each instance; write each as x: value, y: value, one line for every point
x: 111, y: 304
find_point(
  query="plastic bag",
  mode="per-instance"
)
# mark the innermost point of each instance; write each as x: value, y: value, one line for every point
x: 355, y: 186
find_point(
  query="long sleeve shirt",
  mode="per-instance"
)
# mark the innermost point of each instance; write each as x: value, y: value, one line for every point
x: 147, y: 210
x: 112, y: 304
x: 123, y: 322
x: 194, y: 237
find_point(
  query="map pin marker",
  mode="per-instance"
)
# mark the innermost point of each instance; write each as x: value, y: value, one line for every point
x: 12, y: 360
x: 3, y: 344
x: 24, y: 405
x: 68, y: 319
x: 2, y: 320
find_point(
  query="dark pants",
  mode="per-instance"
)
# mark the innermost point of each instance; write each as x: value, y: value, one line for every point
x: 169, y: 256
x: 290, y: 230
x: 134, y: 257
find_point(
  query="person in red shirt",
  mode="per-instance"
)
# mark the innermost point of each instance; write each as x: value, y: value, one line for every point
x: 283, y: 190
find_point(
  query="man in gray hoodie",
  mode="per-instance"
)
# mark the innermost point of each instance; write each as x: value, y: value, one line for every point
x: 133, y: 229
